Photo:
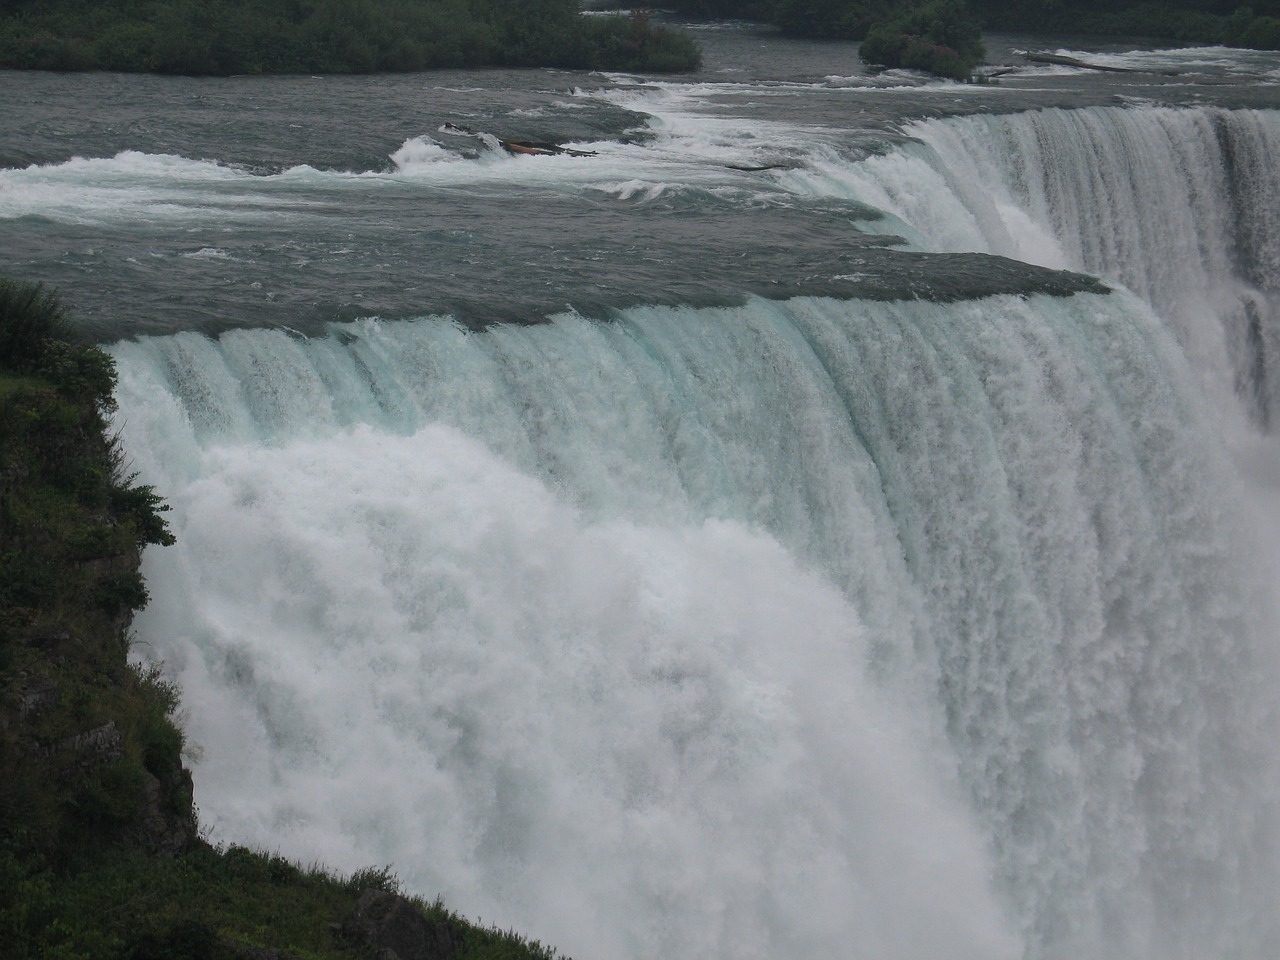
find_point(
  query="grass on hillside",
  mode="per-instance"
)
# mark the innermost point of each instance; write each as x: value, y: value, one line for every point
x: 208, y: 904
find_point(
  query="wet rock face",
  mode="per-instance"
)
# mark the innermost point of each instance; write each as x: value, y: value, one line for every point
x: 397, y: 930
x: 159, y: 828
x: 94, y: 747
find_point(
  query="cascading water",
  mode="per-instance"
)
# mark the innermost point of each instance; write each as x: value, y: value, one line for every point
x: 650, y: 635
x: 1183, y: 207
x: 1180, y: 205
x: 801, y: 596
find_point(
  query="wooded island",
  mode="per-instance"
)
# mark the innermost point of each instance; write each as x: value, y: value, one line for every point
x: 223, y: 37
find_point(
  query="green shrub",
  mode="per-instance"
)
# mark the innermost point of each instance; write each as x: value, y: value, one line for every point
x: 633, y: 42
x: 374, y: 878
x: 26, y: 583
x: 105, y: 796
x: 127, y: 591
x: 940, y: 38
x: 141, y: 507
x: 82, y: 373
x: 30, y: 317
x: 1189, y: 21
x: 1263, y: 33
x: 836, y: 19
x: 124, y: 45
x: 45, y: 51
x: 185, y: 939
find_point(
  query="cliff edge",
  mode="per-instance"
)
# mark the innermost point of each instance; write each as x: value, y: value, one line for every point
x: 100, y: 855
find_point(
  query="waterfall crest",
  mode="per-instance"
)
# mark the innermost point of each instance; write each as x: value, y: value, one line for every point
x: 1181, y: 205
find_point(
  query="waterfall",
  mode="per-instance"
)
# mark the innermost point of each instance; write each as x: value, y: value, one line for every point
x: 1180, y: 205
x: 808, y: 628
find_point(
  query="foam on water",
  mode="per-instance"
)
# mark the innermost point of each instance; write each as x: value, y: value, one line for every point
x: 1209, y: 61
x: 148, y: 188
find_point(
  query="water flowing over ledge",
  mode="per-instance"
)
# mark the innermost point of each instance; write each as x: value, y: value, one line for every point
x: 606, y: 628
x: 1180, y: 205
x: 720, y: 544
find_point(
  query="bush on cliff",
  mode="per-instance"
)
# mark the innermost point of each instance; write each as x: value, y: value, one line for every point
x: 87, y: 748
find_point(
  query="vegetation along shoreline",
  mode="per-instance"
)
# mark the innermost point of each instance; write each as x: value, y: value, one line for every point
x: 225, y: 37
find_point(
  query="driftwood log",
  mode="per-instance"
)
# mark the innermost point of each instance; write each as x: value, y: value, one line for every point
x: 1072, y: 62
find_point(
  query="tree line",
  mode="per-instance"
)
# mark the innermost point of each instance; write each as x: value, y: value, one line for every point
x: 1254, y: 24
x: 221, y: 37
